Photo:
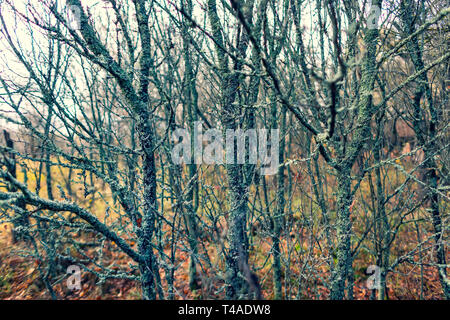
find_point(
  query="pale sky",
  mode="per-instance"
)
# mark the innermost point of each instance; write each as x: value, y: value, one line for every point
x: 29, y: 40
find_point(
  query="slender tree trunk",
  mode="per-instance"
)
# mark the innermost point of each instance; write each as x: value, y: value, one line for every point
x: 278, y: 217
x: 19, y: 221
x: 237, y: 256
x: 190, y: 101
x: 343, y: 225
x: 424, y: 133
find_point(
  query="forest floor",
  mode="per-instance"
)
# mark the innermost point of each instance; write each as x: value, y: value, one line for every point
x: 21, y: 274
x: 20, y: 279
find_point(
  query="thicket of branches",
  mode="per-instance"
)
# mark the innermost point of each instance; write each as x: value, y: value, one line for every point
x: 89, y: 100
